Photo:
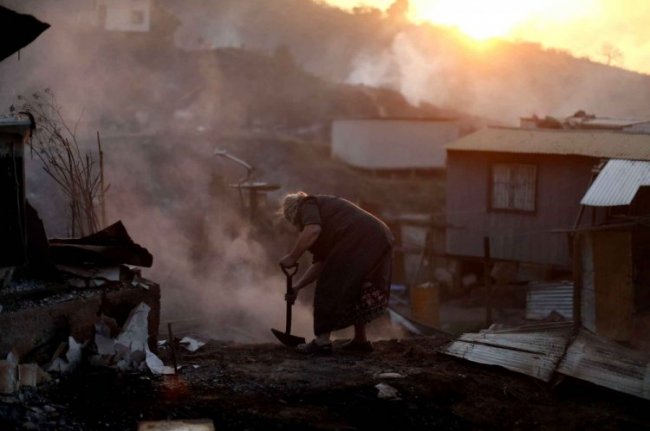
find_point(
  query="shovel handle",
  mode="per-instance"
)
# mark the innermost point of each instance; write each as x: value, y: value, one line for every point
x: 289, y: 271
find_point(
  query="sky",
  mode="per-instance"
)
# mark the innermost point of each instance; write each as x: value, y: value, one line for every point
x: 615, y: 32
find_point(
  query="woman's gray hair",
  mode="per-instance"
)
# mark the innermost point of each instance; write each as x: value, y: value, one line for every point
x: 290, y: 205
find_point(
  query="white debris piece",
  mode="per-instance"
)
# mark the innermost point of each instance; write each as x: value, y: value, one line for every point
x: 155, y: 364
x: 71, y: 360
x: 191, y: 344
x: 387, y: 392
x: 135, y: 332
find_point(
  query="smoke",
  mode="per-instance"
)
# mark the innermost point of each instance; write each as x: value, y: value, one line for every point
x: 418, y: 75
x: 501, y: 81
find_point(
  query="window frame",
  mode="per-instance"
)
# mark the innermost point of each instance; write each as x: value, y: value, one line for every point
x: 490, y: 186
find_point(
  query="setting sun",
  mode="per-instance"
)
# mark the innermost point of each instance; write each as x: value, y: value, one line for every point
x: 498, y: 18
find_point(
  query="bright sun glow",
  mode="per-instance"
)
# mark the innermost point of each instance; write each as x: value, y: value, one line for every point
x: 483, y: 19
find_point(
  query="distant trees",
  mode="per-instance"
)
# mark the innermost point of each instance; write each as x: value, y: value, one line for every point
x: 612, y: 54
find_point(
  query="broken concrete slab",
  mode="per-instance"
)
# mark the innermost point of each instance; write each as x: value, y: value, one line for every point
x: 29, y: 327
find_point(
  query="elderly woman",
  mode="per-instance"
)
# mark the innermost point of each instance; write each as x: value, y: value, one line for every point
x: 352, y: 256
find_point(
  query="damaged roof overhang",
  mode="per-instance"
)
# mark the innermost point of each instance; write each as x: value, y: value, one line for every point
x: 617, y: 183
x: 109, y: 246
x: 17, y: 30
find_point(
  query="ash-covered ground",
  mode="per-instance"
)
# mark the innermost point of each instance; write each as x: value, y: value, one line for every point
x: 268, y: 386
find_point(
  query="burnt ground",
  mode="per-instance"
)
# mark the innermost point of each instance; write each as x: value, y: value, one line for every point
x: 268, y: 386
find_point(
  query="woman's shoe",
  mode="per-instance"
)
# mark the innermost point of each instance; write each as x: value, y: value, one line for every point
x: 353, y: 346
x: 312, y: 348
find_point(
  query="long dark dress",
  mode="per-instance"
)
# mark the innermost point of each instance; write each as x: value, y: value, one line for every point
x: 356, y: 250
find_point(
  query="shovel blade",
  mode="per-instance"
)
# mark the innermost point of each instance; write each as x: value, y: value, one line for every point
x: 288, y: 339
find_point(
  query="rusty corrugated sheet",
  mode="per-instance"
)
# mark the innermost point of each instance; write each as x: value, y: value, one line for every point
x: 543, y: 349
x: 544, y: 298
x: 606, y: 363
x: 617, y: 183
x: 534, y: 353
x: 610, y: 145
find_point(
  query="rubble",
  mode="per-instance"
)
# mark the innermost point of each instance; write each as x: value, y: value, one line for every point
x: 191, y: 344
x: 387, y: 392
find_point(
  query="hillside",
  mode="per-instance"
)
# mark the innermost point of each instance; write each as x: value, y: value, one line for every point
x: 425, y: 63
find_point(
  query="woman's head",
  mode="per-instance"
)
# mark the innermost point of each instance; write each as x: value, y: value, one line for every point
x: 290, y: 205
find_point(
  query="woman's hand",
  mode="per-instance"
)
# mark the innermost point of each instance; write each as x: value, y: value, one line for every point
x: 288, y: 261
x: 291, y: 297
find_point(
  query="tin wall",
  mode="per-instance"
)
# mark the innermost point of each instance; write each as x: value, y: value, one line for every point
x: 524, y: 236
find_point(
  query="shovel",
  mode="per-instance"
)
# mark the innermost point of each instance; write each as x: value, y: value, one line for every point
x: 285, y: 337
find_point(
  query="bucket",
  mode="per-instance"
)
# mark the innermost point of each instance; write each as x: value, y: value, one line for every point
x: 425, y: 304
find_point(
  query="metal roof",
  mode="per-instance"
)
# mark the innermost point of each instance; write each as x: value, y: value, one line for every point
x: 535, y: 353
x: 609, y: 145
x: 617, y: 183
x: 15, y: 124
x: 539, y: 351
x: 611, y: 123
x: 10, y: 120
x: 606, y: 363
x: 542, y: 299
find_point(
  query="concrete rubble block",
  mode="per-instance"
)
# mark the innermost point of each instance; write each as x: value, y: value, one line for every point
x: 32, y: 375
x: 181, y: 425
x: 8, y: 377
x: 26, y: 328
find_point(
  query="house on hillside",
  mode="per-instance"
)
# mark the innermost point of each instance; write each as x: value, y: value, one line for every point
x: 124, y: 15
x: 393, y: 145
x: 522, y: 189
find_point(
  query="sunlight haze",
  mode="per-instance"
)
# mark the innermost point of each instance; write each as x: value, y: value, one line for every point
x: 607, y: 31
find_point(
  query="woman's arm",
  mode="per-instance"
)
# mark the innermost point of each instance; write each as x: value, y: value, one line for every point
x: 306, y: 239
x: 308, y: 277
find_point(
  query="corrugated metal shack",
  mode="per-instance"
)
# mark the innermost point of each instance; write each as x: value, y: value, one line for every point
x: 519, y: 186
x: 613, y: 257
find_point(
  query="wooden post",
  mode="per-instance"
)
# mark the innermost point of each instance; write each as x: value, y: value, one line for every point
x: 577, y: 281
x: 487, y: 280
x: 101, y: 180
x: 172, y: 347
